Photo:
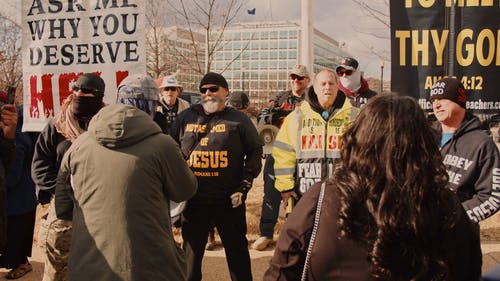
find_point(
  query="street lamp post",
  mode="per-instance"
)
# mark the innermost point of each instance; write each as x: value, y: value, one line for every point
x: 381, y: 77
x: 243, y: 80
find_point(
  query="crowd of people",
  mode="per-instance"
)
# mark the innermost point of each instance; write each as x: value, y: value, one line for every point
x: 373, y: 191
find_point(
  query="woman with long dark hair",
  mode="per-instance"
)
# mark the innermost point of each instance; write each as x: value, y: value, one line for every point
x: 385, y: 214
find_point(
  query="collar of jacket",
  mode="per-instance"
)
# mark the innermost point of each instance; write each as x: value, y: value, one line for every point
x: 312, y: 99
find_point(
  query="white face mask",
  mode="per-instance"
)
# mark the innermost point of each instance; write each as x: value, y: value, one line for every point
x: 352, y: 82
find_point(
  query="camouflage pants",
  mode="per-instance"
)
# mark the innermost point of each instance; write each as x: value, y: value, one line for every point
x: 54, y: 237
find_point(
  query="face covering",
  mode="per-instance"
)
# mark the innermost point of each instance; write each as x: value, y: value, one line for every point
x: 148, y: 106
x: 85, y: 107
x: 352, y: 82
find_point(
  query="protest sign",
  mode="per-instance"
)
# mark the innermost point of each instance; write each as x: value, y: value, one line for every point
x: 431, y: 39
x: 63, y: 39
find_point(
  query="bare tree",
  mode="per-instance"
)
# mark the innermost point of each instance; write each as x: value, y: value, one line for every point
x: 10, y: 52
x: 154, y: 38
x: 211, y: 18
x: 379, y: 11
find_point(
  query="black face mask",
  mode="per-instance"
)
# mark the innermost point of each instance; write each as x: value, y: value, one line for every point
x: 86, y: 107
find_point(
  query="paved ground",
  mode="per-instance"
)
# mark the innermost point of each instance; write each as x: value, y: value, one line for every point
x: 215, y: 268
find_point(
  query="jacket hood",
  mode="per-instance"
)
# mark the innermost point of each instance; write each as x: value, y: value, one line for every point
x: 470, y: 123
x: 121, y: 125
x: 312, y: 99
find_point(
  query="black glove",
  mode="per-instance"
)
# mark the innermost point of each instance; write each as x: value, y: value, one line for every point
x: 44, y: 195
x: 245, y: 188
x: 239, y: 197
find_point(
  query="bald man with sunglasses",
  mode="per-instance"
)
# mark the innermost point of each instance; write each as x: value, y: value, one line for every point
x: 352, y: 83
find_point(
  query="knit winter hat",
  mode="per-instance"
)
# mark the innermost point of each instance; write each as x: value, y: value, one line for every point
x: 92, y: 82
x: 449, y: 88
x: 239, y: 100
x: 214, y: 78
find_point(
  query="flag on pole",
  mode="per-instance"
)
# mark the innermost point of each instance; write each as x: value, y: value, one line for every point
x: 252, y: 11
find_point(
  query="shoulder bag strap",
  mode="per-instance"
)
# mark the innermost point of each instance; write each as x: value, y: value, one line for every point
x: 314, y: 232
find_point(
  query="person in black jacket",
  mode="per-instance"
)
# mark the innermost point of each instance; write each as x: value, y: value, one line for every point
x: 54, y: 140
x: 7, y: 157
x: 469, y: 153
x: 21, y: 206
x: 352, y: 83
x: 224, y: 151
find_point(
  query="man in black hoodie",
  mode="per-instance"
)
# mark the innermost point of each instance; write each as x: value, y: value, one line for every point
x: 470, y: 155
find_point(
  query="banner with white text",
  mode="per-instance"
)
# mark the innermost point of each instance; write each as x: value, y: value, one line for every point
x: 431, y: 39
x: 63, y: 39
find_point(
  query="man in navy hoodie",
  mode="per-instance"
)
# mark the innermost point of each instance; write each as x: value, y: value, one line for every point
x: 469, y: 153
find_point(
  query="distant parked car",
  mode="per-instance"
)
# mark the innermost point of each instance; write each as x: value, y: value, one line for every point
x: 191, y: 97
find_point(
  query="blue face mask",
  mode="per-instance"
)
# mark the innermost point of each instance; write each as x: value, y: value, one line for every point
x: 148, y: 106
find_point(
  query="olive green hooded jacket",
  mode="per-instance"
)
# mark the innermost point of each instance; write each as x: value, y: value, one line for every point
x: 123, y: 172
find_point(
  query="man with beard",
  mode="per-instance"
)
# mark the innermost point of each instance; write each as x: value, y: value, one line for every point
x: 55, y: 139
x: 224, y: 151
x: 352, y: 83
x: 170, y: 103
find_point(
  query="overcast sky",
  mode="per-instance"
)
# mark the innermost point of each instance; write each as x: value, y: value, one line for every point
x: 343, y: 20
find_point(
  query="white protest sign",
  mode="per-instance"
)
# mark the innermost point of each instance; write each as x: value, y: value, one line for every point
x: 63, y: 39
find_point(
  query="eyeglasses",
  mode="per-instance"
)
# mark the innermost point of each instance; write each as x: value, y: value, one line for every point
x: 347, y: 72
x: 294, y: 76
x: 84, y: 90
x: 212, y: 89
x: 173, y: 89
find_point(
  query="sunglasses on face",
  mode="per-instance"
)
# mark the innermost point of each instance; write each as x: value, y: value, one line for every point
x: 294, y: 76
x: 173, y: 89
x: 347, y: 72
x: 84, y: 90
x: 212, y: 89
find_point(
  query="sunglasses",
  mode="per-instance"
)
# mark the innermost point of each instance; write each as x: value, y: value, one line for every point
x: 347, y: 72
x: 84, y: 90
x: 170, y: 89
x: 212, y: 89
x: 294, y: 76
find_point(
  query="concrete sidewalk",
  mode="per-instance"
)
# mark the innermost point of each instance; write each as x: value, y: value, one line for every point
x: 491, y: 254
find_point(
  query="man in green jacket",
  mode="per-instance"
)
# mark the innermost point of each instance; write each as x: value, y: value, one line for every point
x: 123, y: 172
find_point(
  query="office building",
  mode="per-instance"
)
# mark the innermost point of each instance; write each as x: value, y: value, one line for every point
x: 256, y: 57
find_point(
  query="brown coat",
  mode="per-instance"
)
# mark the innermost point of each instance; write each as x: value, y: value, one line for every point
x: 345, y: 259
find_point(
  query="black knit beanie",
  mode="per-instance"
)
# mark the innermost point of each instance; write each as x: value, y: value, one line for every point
x: 214, y: 78
x: 92, y: 82
x: 449, y: 88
